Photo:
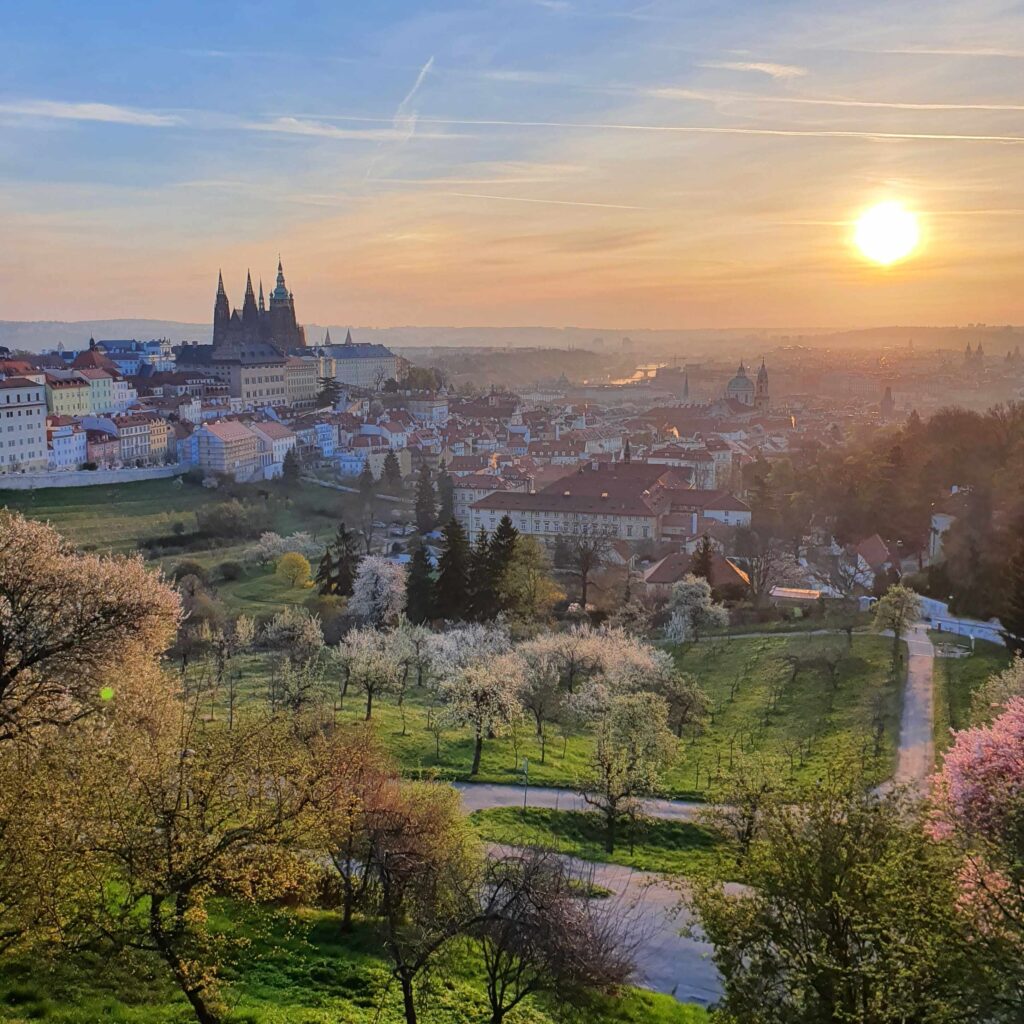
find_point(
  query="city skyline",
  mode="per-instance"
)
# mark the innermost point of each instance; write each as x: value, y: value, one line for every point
x: 512, y: 163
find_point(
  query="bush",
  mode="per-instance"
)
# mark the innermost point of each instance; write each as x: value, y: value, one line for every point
x: 178, y: 528
x: 90, y: 466
x: 187, y: 567
x: 194, y: 476
x: 294, y: 568
x: 231, y: 519
x: 230, y: 570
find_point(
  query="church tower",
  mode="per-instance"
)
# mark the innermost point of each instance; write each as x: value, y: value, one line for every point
x: 221, y: 313
x: 761, y: 399
x: 250, y: 313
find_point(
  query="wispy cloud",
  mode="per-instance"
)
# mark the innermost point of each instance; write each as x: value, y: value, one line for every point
x: 760, y: 67
x: 553, y: 5
x: 953, y: 51
x: 547, y: 202
x: 405, y: 115
x: 323, y: 130
x: 105, y: 112
x: 821, y: 101
x: 821, y: 133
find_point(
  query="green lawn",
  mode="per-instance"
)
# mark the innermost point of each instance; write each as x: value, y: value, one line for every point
x: 801, y: 733
x: 956, y: 680
x: 651, y: 844
x: 294, y: 968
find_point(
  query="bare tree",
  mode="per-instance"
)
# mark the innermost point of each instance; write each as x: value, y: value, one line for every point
x: 588, y: 547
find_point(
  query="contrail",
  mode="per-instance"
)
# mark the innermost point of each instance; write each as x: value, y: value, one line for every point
x: 550, y: 202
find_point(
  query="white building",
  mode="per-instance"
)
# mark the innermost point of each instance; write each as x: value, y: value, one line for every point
x: 276, y: 441
x: 22, y: 425
x: 362, y: 364
x: 67, y: 443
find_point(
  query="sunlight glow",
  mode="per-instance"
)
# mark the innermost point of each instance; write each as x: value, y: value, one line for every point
x: 887, y: 233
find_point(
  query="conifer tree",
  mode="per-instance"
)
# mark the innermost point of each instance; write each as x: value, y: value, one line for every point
x: 346, y: 560
x: 426, y: 500
x: 1013, y: 608
x: 701, y: 564
x: 324, y: 577
x: 366, y: 482
x: 291, y: 468
x: 420, y: 601
x: 392, y: 470
x: 482, y: 595
x: 445, y: 494
x: 503, y: 545
x: 453, y: 574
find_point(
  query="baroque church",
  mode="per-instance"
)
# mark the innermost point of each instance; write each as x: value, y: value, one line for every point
x: 256, y: 324
x: 745, y: 391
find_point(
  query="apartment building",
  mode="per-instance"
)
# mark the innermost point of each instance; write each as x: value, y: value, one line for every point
x: 22, y: 425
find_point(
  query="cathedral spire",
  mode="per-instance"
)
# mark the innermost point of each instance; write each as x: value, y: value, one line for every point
x: 348, y: 337
x: 220, y: 283
x: 262, y: 305
x: 327, y: 337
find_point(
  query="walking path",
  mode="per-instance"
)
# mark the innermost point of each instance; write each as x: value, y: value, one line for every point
x: 479, y: 796
x: 916, y: 757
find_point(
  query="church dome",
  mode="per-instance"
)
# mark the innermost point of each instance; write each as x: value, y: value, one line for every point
x: 741, y: 387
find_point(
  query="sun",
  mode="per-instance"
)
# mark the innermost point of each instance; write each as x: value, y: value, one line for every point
x: 887, y: 233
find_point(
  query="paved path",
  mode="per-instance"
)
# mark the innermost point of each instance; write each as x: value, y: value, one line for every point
x: 916, y: 756
x: 478, y: 796
x: 651, y: 916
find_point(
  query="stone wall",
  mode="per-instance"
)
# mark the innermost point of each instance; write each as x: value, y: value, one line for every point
x: 86, y: 478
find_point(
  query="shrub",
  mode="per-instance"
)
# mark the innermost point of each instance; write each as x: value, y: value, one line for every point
x: 230, y: 570
x: 294, y: 568
x: 187, y: 567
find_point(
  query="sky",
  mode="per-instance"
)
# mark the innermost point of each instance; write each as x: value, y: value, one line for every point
x: 663, y: 164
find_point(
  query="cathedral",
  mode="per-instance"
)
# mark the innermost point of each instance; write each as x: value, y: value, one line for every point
x: 743, y: 390
x: 256, y: 324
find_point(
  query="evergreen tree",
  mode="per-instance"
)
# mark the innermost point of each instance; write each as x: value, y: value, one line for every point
x: 426, y: 500
x: 445, y: 494
x: 324, y: 577
x: 329, y: 393
x: 627, y: 454
x: 291, y: 468
x: 503, y: 545
x: 366, y: 482
x: 346, y: 560
x: 392, y: 470
x: 701, y: 563
x: 453, y: 574
x: 482, y: 595
x: 419, y: 589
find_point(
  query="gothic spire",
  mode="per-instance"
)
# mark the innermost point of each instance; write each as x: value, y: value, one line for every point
x: 348, y: 337
x: 220, y: 283
x: 262, y: 305
x: 248, y: 285
x: 327, y: 337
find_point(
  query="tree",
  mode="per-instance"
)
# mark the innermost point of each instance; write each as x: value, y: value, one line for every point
x: 294, y: 568
x: 979, y: 809
x: 425, y: 864
x: 702, y: 562
x: 588, y: 547
x: 541, y: 691
x: 692, y: 610
x: 481, y: 596
x: 73, y: 627
x: 525, y: 589
x: 367, y: 484
x: 452, y: 589
x: 420, y: 602
x: 849, y: 914
x: 1012, y: 616
x: 687, y: 703
x: 766, y: 563
x: 503, y: 546
x: 897, y: 611
x: 337, y: 572
x: 535, y: 934
x: 378, y: 594
x: 485, y: 697
x: 445, y: 494
x: 632, y: 749
x: 330, y: 392
x: 184, y: 810
x: 371, y: 663
x: 426, y: 500
x: 392, y: 470
x: 291, y: 468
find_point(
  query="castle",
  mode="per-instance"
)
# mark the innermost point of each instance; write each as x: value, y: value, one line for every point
x: 255, y: 324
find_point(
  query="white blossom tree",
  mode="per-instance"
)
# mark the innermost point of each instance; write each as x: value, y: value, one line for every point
x: 378, y: 595
x: 370, y: 662
x: 465, y: 645
x: 484, y: 696
x: 692, y: 610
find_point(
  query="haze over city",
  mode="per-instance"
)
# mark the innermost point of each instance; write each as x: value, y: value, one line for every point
x: 514, y: 162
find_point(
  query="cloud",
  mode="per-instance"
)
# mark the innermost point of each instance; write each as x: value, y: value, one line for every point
x: 554, y: 5
x: 825, y: 101
x: 320, y: 129
x: 548, y: 202
x: 105, y: 112
x: 761, y: 67
x: 811, y: 133
x: 405, y: 115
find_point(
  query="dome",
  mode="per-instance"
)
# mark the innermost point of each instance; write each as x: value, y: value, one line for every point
x: 741, y: 387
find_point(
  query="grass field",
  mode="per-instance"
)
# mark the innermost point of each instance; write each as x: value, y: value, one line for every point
x: 292, y: 968
x: 956, y: 680
x: 651, y: 844
x: 802, y: 730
